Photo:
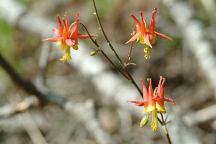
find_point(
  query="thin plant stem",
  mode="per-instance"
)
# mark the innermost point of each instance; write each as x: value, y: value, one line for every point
x: 127, y: 75
x: 133, y: 81
x: 103, y: 53
x: 112, y: 48
x: 102, y: 29
x: 165, y: 128
x: 129, y: 54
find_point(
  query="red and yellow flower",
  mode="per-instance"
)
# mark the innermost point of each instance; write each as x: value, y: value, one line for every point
x: 153, y: 102
x: 159, y: 96
x: 67, y: 36
x: 144, y: 35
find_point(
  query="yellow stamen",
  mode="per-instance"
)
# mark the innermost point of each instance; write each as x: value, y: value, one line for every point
x: 147, y: 52
x: 66, y: 58
x: 154, y: 122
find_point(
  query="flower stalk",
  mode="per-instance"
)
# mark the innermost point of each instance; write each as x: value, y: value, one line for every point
x: 129, y: 76
x: 124, y: 70
x: 153, y: 100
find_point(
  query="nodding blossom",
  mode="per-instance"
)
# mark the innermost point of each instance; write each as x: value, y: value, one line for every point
x: 146, y: 36
x: 66, y: 37
x: 153, y: 102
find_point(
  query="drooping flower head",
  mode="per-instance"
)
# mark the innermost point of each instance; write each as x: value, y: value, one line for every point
x: 153, y: 102
x: 67, y: 36
x: 144, y: 35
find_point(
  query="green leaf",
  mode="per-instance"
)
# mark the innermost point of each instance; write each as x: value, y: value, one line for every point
x: 95, y: 52
x: 144, y: 121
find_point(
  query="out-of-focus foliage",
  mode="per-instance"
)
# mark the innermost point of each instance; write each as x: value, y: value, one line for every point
x: 18, y: 47
x: 25, y: 2
x: 6, y: 33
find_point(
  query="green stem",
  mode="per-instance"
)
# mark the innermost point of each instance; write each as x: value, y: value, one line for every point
x: 129, y: 54
x: 103, y: 53
x: 117, y: 56
x: 133, y: 81
x: 165, y: 128
x: 102, y: 29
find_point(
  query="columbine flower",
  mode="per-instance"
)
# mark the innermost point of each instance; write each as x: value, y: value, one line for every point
x: 159, y: 96
x: 153, y: 102
x: 146, y: 36
x: 67, y: 37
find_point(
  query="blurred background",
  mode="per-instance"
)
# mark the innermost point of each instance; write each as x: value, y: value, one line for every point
x: 93, y: 110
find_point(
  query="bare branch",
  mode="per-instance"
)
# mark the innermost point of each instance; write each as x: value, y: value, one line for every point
x: 32, y: 129
x: 192, y: 32
x: 85, y: 114
x: 200, y: 116
x: 13, y: 124
x: 10, y: 109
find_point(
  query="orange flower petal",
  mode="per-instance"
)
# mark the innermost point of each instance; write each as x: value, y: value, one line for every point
x: 137, y: 23
x: 145, y: 92
x: 84, y: 36
x: 138, y: 103
x: 147, y: 40
x: 60, y: 28
x: 170, y: 100
x: 74, y: 29
x: 135, y: 37
x: 152, y: 23
x: 143, y: 23
x: 55, y: 39
x: 162, y: 35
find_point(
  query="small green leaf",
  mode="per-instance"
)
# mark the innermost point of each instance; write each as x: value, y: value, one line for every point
x: 144, y: 121
x: 95, y: 52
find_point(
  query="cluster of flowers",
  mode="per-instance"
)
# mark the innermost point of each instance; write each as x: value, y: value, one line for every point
x: 67, y: 36
x: 153, y: 100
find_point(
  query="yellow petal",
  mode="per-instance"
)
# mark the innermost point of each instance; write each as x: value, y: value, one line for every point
x: 150, y: 108
x: 141, y: 40
x: 160, y: 108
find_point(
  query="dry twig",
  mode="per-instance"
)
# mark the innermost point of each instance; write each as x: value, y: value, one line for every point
x: 32, y: 129
x: 10, y: 109
x: 201, y: 116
